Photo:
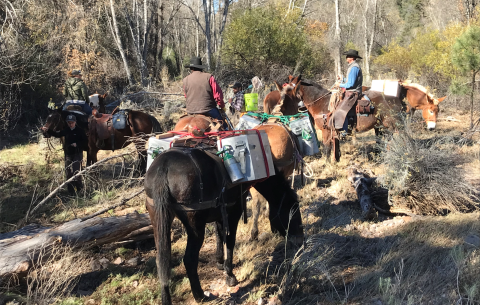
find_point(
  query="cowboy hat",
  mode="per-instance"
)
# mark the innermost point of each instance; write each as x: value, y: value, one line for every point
x: 352, y: 53
x: 196, y: 62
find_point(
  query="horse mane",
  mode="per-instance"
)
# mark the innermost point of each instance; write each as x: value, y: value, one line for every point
x: 309, y: 85
x: 418, y: 87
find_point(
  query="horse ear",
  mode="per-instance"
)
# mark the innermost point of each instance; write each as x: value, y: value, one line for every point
x: 297, y: 86
x: 105, y: 95
x: 279, y: 88
x: 290, y: 77
x: 438, y: 101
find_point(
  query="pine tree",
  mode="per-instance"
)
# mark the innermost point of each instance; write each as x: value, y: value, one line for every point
x: 466, y: 57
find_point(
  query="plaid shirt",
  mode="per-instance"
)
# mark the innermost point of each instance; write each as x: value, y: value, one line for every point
x: 238, y: 103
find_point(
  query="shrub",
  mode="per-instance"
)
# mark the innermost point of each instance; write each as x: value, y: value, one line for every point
x: 426, y: 175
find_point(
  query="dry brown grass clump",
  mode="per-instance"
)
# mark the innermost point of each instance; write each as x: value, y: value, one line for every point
x: 54, y: 275
x: 426, y: 175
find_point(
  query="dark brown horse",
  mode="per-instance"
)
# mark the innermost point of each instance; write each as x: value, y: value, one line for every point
x: 284, y: 101
x: 97, y: 101
x: 139, y: 124
x: 190, y: 184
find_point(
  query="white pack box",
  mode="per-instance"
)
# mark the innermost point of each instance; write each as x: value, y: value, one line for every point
x: 304, y: 131
x: 387, y: 87
x: 378, y: 85
x: 248, y: 153
x: 247, y: 122
x: 392, y: 88
x: 157, y: 146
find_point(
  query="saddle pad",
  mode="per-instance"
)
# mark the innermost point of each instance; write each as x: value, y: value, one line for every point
x: 119, y: 120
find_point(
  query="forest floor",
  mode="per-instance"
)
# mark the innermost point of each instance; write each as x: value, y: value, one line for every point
x: 345, y: 259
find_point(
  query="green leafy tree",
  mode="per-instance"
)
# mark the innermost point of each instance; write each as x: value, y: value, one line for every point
x: 466, y: 57
x: 264, y: 36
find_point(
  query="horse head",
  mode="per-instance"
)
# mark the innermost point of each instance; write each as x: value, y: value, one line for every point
x: 288, y: 103
x: 430, y: 111
x: 54, y: 123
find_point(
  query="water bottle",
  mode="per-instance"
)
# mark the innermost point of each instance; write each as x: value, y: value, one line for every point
x: 232, y: 167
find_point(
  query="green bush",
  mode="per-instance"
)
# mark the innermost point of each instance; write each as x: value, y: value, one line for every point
x: 259, y: 38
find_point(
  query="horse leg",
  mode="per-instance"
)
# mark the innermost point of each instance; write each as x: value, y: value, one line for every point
x: 233, y: 218
x: 196, y: 235
x: 378, y: 139
x: 219, y: 253
x: 327, y: 144
x: 162, y: 220
x: 255, y: 213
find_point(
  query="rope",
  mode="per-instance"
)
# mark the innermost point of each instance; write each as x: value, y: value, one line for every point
x: 285, y: 119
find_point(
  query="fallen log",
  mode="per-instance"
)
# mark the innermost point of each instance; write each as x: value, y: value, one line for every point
x: 20, y: 248
x: 362, y: 187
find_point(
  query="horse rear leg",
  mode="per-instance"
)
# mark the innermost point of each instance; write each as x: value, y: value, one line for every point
x: 379, y: 134
x: 233, y: 218
x: 196, y: 234
x: 162, y: 219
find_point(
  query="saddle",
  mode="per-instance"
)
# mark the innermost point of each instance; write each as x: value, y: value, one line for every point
x: 214, y: 124
x: 102, y: 127
x: 364, y: 106
x: 74, y: 107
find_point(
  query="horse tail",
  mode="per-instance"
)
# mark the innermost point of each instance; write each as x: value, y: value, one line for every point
x: 156, y: 127
x: 162, y: 224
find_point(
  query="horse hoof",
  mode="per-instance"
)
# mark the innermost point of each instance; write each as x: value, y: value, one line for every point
x: 231, y: 281
x: 220, y: 266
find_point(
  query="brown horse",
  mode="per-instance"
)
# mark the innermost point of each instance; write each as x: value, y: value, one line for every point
x: 139, y: 124
x: 191, y: 185
x: 284, y: 101
x: 418, y: 98
x: 283, y: 145
x: 316, y: 99
x: 97, y: 101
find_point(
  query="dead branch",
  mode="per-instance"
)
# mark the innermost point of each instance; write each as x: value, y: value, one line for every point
x: 88, y: 168
x: 114, y: 206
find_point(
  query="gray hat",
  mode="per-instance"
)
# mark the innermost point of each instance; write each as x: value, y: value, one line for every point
x: 71, y: 118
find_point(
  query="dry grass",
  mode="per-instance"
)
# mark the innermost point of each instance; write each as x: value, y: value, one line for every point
x: 54, y: 276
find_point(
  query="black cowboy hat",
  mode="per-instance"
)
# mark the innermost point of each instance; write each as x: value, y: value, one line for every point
x: 352, y: 53
x: 196, y: 62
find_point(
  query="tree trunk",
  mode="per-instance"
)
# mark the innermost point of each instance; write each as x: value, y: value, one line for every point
x: 20, y: 248
x: 208, y: 38
x: 337, y: 40
x: 471, y: 99
x: 220, y: 33
x: 118, y: 41
x: 369, y: 44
